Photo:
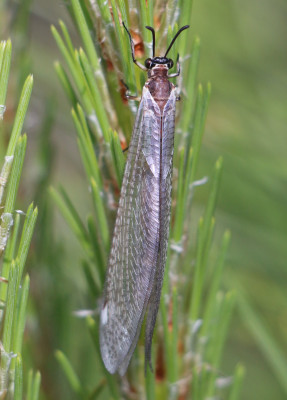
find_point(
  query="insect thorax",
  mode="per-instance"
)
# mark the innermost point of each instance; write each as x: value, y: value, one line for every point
x: 159, y: 85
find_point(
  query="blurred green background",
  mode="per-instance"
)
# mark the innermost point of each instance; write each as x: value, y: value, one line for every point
x: 244, y: 55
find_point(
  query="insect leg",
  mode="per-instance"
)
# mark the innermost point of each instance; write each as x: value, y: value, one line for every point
x: 131, y: 97
x: 127, y: 94
x: 178, y: 69
x: 133, y: 51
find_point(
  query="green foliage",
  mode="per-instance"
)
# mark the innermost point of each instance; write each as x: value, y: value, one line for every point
x: 242, y: 55
x: 240, y: 51
x: 194, y: 313
x: 265, y: 340
x: 14, y: 243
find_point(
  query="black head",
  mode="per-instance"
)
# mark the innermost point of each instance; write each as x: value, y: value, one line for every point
x: 152, y: 62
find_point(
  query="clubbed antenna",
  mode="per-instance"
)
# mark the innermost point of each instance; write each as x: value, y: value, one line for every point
x: 153, y: 39
x: 174, y: 39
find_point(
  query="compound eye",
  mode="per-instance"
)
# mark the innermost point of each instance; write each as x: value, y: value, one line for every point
x: 170, y: 64
x: 148, y: 63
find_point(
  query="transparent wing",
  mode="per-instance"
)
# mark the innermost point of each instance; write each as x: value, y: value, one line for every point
x: 134, y: 252
x: 168, y: 122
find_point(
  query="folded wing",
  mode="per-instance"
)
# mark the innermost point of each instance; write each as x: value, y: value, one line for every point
x: 135, y: 246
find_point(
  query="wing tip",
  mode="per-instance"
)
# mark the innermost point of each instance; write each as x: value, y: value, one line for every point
x: 114, y: 361
x: 113, y: 365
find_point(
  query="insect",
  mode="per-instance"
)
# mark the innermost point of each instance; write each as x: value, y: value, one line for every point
x: 139, y: 247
